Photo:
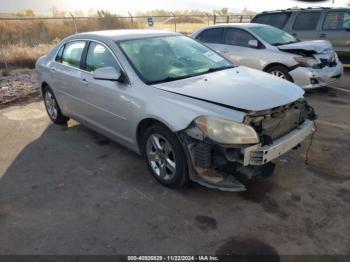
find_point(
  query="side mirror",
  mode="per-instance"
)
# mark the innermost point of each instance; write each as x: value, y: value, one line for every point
x: 253, y: 43
x: 108, y: 73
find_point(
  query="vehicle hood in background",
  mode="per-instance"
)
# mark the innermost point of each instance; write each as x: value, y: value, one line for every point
x: 317, y: 46
x: 240, y: 87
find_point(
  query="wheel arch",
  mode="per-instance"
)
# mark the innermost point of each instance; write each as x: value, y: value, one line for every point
x: 142, y: 127
x: 268, y: 66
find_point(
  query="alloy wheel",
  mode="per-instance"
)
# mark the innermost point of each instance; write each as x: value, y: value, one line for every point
x: 279, y: 74
x: 161, y: 156
x: 51, y: 105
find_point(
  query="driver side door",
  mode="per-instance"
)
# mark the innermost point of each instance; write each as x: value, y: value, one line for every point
x: 237, y: 49
x: 106, y: 104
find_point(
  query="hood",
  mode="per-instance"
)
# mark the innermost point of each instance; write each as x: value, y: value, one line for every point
x: 317, y: 46
x: 239, y: 87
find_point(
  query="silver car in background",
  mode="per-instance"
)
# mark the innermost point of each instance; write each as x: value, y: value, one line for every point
x: 309, y: 64
x: 190, y: 112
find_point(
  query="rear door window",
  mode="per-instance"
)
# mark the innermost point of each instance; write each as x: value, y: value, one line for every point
x: 213, y: 36
x: 336, y: 20
x: 72, y: 53
x: 306, y: 21
x: 238, y: 37
x: 60, y: 54
x: 274, y: 19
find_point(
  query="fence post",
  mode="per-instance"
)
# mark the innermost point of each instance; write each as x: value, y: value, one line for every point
x: 174, y: 16
x: 75, y: 25
x: 208, y: 17
x: 131, y: 19
x: 3, y: 57
x: 214, y: 19
x: 240, y: 19
x: 227, y: 19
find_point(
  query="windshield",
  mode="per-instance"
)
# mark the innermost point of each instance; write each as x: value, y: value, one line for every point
x: 273, y: 35
x: 169, y: 58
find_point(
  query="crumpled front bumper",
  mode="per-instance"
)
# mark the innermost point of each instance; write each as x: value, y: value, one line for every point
x: 309, y: 78
x: 260, y: 155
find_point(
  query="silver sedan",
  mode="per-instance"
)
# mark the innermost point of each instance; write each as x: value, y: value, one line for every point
x: 189, y: 111
x: 309, y: 64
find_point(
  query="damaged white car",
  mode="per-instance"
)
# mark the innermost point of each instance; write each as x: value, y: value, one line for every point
x: 191, y: 113
x: 309, y: 64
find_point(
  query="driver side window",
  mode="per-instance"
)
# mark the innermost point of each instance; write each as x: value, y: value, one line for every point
x: 237, y: 37
x: 99, y: 56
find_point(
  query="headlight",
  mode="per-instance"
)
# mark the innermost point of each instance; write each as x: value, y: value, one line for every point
x: 226, y: 132
x: 306, y: 61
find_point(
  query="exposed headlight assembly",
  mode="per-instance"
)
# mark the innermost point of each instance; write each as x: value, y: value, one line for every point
x: 306, y: 61
x: 225, y: 131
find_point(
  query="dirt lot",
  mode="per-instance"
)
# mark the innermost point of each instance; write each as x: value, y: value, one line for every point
x: 71, y: 191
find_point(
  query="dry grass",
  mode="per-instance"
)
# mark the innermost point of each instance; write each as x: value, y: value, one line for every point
x: 23, y: 42
x: 22, y: 55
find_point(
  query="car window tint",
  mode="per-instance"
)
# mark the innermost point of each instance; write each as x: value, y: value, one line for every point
x: 277, y: 19
x: 99, y: 56
x: 306, y: 21
x: 336, y: 20
x: 59, y: 54
x: 237, y: 37
x: 72, y: 53
x: 213, y: 36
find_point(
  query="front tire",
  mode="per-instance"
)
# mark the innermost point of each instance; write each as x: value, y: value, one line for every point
x: 280, y: 72
x: 164, y: 156
x: 52, y: 108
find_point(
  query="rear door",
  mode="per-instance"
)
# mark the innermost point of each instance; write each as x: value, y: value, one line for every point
x: 212, y: 37
x: 333, y: 29
x: 306, y: 25
x: 66, y: 74
x: 278, y: 20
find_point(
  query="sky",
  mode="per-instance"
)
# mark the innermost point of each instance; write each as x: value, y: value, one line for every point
x: 122, y: 6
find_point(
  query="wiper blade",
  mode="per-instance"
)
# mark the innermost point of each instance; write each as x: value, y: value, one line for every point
x: 174, y: 78
x: 214, y: 69
x: 169, y: 79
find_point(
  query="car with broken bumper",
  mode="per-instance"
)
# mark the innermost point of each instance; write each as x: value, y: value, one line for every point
x: 190, y: 112
x: 309, y: 64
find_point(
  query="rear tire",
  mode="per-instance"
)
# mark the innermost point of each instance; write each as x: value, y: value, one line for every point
x: 164, y: 156
x: 280, y: 72
x: 52, y: 108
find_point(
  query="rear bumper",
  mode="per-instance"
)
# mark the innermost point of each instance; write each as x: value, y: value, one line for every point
x: 309, y: 78
x: 260, y: 155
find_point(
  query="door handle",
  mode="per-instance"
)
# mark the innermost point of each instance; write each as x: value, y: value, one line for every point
x: 322, y: 35
x: 84, y: 81
x: 53, y: 69
x: 224, y: 51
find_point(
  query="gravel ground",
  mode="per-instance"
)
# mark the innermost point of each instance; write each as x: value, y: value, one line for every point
x: 19, y: 85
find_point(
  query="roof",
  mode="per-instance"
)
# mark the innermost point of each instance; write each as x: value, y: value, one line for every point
x: 298, y: 9
x: 126, y: 34
x: 241, y: 25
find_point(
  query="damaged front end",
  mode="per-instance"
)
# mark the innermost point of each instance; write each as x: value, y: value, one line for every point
x: 317, y: 63
x: 220, y: 153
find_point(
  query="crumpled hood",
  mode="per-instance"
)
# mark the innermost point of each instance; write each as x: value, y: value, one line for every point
x: 318, y: 46
x: 239, y: 87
